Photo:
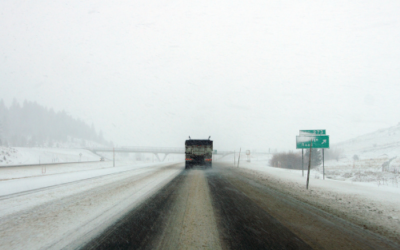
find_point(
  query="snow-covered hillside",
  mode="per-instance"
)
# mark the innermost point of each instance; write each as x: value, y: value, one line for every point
x: 381, y: 143
x: 19, y: 155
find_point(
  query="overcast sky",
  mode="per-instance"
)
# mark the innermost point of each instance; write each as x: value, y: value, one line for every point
x: 248, y: 73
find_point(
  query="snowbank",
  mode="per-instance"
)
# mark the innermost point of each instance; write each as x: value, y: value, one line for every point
x: 66, y: 209
x: 23, y: 156
x: 23, y: 179
x: 382, y: 193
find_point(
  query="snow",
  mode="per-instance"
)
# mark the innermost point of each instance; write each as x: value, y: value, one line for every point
x: 382, y: 193
x: 304, y: 138
x: 22, y: 179
x: 372, y: 188
x: 361, y: 186
x: 370, y: 203
x: 24, y: 156
x: 70, y: 203
x: 381, y: 143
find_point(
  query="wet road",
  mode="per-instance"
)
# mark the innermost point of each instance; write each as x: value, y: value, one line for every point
x: 225, y: 209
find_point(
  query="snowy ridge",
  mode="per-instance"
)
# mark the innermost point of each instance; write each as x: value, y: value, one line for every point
x: 384, y: 142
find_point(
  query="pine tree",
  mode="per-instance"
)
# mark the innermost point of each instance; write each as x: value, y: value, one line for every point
x: 31, y: 124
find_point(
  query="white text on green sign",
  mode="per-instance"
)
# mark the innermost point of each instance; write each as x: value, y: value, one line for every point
x: 313, y: 132
x: 318, y: 141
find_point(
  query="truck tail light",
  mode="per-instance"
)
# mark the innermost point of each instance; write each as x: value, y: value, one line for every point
x: 188, y: 159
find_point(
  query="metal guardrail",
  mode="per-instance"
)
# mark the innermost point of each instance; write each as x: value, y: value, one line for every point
x: 155, y: 150
x: 47, y: 164
x: 141, y: 150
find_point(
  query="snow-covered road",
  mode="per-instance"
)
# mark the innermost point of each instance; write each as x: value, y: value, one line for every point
x: 231, y: 208
x: 369, y: 205
x: 66, y: 209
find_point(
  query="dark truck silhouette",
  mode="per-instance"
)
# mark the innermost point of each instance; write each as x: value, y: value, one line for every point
x: 198, y: 153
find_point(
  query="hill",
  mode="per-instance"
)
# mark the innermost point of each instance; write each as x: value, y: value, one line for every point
x: 384, y: 142
x: 32, y: 125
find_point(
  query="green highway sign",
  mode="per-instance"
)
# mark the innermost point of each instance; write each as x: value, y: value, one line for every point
x: 313, y: 132
x: 318, y: 141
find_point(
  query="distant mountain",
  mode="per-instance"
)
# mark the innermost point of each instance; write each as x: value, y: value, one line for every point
x: 379, y: 143
x: 31, y: 124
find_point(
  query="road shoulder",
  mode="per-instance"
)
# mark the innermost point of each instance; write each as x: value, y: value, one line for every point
x: 301, y: 222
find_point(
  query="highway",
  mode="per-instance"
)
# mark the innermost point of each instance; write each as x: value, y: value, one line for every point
x: 224, y: 208
x: 164, y: 206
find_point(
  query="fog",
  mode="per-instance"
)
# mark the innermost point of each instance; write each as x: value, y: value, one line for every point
x: 248, y: 73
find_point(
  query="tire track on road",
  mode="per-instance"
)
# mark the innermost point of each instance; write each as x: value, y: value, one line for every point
x: 245, y: 225
x: 139, y: 228
x: 180, y: 216
x: 319, y: 229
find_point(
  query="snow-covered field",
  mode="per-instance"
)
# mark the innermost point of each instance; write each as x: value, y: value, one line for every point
x: 373, y: 190
x: 364, y: 171
x: 24, y: 156
x: 67, y: 204
x: 372, y: 158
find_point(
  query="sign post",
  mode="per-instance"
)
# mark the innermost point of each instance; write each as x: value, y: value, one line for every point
x: 315, y: 138
x: 248, y: 155
x: 323, y: 163
x: 309, y: 166
x: 302, y: 162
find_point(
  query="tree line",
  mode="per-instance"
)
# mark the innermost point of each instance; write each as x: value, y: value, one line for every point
x: 30, y: 125
x: 292, y: 160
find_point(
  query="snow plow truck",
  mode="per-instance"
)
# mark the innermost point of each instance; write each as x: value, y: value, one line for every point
x: 198, y: 153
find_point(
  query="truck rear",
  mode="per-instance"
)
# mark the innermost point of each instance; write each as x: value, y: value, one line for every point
x: 198, y: 153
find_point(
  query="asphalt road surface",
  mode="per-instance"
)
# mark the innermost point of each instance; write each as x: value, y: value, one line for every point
x: 222, y: 208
